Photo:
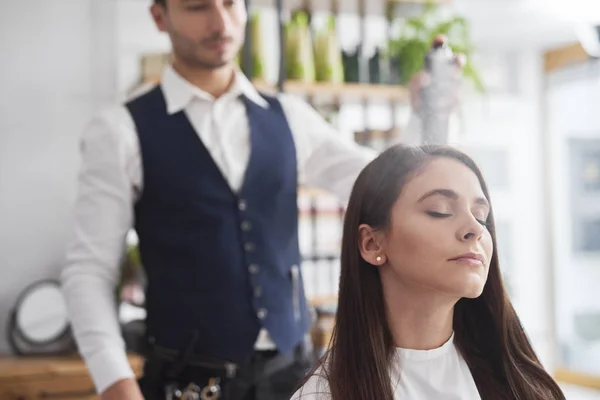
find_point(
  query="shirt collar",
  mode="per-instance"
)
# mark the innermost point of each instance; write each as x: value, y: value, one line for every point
x: 179, y: 92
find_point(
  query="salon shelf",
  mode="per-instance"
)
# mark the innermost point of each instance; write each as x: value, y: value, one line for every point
x: 341, y: 90
x: 441, y: 2
x: 312, y: 192
x: 318, y: 301
x: 344, y: 91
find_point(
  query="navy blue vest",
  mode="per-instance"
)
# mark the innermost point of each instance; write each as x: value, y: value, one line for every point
x: 220, y: 265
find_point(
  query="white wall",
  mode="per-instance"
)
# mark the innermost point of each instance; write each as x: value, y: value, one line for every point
x: 53, y: 71
x: 572, y: 98
x: 136, y: 35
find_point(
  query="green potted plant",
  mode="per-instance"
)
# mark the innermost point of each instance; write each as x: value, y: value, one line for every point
x: 328, y: 55
x: 409, y: 48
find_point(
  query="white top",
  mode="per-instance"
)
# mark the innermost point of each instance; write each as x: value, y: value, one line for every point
x: 110, y: 181
x: 438, y: 374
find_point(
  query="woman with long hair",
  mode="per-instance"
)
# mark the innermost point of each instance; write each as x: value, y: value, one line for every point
x: 422, y: 312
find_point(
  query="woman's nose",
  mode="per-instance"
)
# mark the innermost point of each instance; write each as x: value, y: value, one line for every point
x: 472, y: 230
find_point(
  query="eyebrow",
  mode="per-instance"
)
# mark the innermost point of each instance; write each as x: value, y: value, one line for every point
x: 451, y: 194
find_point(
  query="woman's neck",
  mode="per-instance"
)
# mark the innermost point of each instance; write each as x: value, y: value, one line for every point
x: 418, y: 319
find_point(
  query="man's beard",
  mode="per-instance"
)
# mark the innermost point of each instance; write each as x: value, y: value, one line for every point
x: 187, y: 51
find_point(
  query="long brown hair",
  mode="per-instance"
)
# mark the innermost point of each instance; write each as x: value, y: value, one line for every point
x: 488, y: 332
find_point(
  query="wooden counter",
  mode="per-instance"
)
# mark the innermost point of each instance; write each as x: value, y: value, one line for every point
x: 57, y: 378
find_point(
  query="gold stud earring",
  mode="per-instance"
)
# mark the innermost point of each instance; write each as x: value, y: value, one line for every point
x: 378, y: 258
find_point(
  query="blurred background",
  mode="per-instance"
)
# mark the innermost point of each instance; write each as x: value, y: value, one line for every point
x: 530, y: 115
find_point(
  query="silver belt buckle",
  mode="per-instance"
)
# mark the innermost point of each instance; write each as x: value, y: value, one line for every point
x: 191, y: 392
x: 212, y: 391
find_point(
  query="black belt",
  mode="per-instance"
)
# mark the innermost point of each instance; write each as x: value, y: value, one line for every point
x: 167, y: 369
x: 273, y: 362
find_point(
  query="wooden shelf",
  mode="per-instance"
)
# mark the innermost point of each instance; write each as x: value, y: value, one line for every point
x: 441, y: 2
x: 317, y: 301
x: 312, y: 192
x: 576, y: 378
x: 345, y: 91
x: 563, y: 57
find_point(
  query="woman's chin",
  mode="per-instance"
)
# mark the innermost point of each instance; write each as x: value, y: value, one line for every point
x: 473, y: 291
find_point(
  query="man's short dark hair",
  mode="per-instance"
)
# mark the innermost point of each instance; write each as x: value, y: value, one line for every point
x: 161, y: 2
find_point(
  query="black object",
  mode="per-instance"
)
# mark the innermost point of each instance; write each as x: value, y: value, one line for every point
x: 375, y: 75
x: 280, y: 27
x: 234, y: 380
x: 134, y: 335
x: 350, y: 64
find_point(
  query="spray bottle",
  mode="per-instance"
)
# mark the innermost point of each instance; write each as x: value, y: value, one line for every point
x: 439, y: 91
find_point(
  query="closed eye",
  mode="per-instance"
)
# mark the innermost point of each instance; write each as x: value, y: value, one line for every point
x: 484, y: 223
x: 435, y: 214
x: 438, y: 215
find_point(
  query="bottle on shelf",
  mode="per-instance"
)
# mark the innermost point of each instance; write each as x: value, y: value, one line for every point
x: 328, y: 57
x: 258, y: 55
x: 375, y: 67
x: 351, y: 65
x: 300, y: 64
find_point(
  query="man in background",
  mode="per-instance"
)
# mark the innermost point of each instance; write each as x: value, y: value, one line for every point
x: 206, y: 170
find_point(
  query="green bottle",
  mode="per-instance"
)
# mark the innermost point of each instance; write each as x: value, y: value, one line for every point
x: 328, y: 56
x: 300, y: 64
x: 258, y: 70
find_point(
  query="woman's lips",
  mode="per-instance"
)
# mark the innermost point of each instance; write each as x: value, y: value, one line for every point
x: 474, y: 259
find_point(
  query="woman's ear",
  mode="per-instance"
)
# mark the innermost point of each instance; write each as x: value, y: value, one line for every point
x: 370, y: 245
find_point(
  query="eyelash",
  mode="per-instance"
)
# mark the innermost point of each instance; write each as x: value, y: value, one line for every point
x: 441, y: 215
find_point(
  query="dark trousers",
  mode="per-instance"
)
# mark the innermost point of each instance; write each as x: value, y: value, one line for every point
x: 253, y: 381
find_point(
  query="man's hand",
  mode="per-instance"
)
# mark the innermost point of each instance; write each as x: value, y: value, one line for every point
x: 125, y: 389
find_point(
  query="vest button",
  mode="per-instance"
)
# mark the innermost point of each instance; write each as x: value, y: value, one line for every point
x: 253, y: 268
x: 249, y: 247
x: 246, y: 226
x: 242, y: 205
x: 257, y: 291
x: 262, y: 313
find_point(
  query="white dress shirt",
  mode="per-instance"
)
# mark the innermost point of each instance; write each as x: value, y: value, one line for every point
x: 438, y: 374
x: 110, y: 182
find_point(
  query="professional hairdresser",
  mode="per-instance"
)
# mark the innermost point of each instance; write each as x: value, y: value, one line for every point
x: 206, y: 170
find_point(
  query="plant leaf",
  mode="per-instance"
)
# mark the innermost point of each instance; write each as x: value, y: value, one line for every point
x: 417, y: 34
x: 470, y: 72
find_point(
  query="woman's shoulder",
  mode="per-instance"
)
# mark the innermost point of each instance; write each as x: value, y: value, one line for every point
x: 315, y: 388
